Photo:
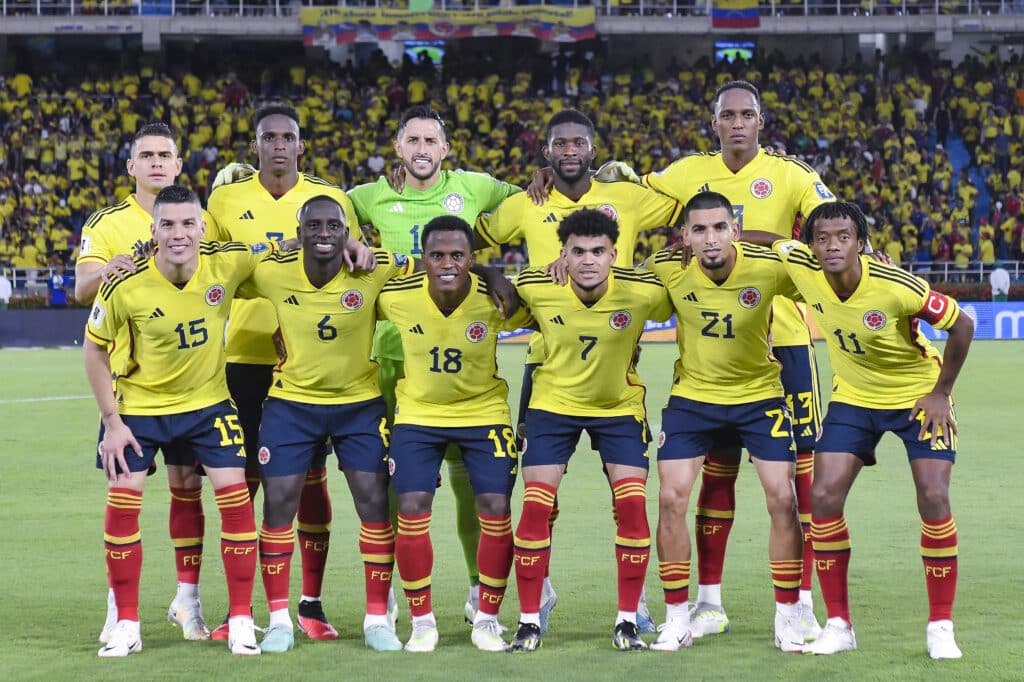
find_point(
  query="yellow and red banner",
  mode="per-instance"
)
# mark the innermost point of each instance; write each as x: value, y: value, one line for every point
x: 326, y: 26
x: 735, y: 14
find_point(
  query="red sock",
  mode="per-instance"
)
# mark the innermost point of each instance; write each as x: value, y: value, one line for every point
x: 938, y: 551
x: 632, y: 539
x: 187, y: 526
x: 532, y: 544
x: 377, y: 546
x: 237, y: 545
x: 314, y: 530
x: 415, y: 555
x: 551, y: 533
x: 832, y: 559
x: 494, y: 559
x: 804, y: 478
x: 675, y: 580
x: 122, y: 543
x: 276, y: 547
x: 716, y: 507
x: 786, y: 579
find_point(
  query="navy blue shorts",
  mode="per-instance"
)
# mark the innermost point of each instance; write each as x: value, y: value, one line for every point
x: 857, y: 430
x: 211, y: 435
x: 292, y: 434
x: 552, y: 438
x: 489, y: 453
x: 800, y: 383
x: 689, y: 427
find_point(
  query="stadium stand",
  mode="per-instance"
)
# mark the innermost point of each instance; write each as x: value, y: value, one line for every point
x: 932, y: 153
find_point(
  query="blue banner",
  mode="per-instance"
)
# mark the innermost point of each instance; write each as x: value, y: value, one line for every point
x: 991, y: 320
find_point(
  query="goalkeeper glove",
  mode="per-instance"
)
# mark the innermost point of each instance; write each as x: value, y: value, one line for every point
x: 233, y: 172
x: 616, y: 171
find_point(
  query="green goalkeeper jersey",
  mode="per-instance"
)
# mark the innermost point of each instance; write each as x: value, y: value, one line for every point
x: 399, y: 217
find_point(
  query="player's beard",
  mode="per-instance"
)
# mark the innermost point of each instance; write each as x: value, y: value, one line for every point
x: 410, y: 168
x: 562, y: 175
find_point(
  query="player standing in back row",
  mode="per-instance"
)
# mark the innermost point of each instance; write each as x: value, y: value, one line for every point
x: 771, y: 193
x: 399, y: 216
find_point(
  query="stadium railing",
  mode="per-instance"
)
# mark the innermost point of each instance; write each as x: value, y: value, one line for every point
x: 604, y: 7
x: 29, y: 281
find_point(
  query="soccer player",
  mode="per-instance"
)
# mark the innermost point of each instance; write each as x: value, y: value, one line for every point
x: 172, y: 396
x: 587, y: 383
x: 109, y: 234
x: 726, y: 383
x: 570, y: 151
x: 771, y: 192
x: 451, y: 394
x: 888, y: 377
x: 399, y: 217
x: 257, y: 208
x: 325, y: 387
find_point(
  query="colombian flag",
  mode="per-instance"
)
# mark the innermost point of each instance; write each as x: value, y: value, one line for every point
x: 735, y: 14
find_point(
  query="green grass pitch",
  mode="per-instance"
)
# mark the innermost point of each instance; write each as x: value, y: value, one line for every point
x: 54, y: 585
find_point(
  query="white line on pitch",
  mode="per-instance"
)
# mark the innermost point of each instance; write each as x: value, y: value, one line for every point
x: 44, y: 400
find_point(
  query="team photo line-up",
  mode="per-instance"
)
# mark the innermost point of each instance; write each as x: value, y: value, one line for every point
x: 248, y: 340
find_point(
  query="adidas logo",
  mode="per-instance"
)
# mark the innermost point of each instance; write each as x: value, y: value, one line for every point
x: 557, y: 319
x: 691, y: 297
x: 817, y: 306
x: 397, y: 208
x: 247, y: 216
x: 291, y: 300
x: 156, y: 313
x: 279, y: 384
x: 551, y: 218
x: 416, y: 330
x: 706, y: 187
x: 807, y: 432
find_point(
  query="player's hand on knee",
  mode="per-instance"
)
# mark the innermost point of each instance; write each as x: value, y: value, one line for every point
x: 541, y: 184
x: 233, y: 172
x: 116, y: 439
x: 616, y: 171
x: 937, y: 421
x: 117, y: 268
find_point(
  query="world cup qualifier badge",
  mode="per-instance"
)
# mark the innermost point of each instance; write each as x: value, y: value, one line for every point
x: 453, y: 202
x: 750, y: 297
x: 761, y: 188
x: 874, y: 320
x: 476, y: 332
x: 609, y: 211
x: 352, y: 299
x: 620, y: 319
x: 391, y: 466
x: 214, y: 295
x: 264, y: 455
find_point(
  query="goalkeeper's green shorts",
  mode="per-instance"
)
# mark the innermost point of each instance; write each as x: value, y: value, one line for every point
x: 387, y: 342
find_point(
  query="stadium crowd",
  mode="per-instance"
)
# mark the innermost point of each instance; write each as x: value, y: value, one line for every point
x: 879, y: 133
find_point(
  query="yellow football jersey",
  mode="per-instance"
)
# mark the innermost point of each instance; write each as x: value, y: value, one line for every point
x: 635, y: 208
x: 248, y: 213
x: 880, y: 359
x: 588, y: 370
x: 115, y: 230
x: 451, y: 373
x: 176, y: 349
x: 327, y: 332
x: 770, y: 193
x: 722, y: 328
